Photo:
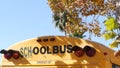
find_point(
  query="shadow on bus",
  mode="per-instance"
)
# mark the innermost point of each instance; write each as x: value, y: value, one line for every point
x: 19, y: 61
x: 61, y: 64
x: 63, y: 55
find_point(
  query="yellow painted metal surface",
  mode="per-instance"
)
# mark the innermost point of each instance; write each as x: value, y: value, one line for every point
x: 54, y: 52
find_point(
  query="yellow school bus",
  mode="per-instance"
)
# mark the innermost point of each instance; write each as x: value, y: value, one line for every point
x: 59, y: 52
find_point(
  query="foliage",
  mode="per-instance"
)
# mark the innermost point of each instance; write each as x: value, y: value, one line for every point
x: 112, y: 32
x: 69, y: 16
x: 115, y: 43
x: 109, y: 35
x: 111, y: 24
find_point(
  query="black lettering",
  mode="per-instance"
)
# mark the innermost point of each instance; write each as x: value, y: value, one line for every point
x: 35, y: 50
x: 62, y: 49
x: 30, y: 51
x: 21, y: 51
x: 55, y: 49
x: 25, y: 53
x: 43, y: 50
x: 69, y: 48
x: 48, y: 50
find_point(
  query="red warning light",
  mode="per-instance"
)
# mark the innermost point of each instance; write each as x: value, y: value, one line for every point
x: 7, y: 55
x: 11, y: 54
x: 16, y: 55
x: 90, y: 51
x: 79, y: 52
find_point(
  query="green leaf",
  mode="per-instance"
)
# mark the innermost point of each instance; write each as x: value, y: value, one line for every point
x: 61, y: 27
x: 109, y: 35
x: 56, y: 23
x: 106, y: 36
x: 78, y: 35
x: 56, y: 17
x: 111, y: 24
x: 114, y: 44
x: 112, y: 34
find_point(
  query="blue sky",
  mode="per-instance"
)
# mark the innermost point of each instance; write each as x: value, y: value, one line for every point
x: 25, y: 19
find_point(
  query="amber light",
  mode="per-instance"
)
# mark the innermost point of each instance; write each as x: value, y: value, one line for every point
x: 78, y: 51
x: 90, y: 51
x: 105, y: 53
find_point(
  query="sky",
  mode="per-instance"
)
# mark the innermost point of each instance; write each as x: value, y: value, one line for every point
x: 25, y: 19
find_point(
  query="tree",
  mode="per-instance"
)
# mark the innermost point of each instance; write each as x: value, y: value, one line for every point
x: 73, y: 14
x: 60, y: 21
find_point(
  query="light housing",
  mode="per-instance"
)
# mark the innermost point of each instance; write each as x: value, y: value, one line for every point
x: 3, y: 51
x: 90, y: 51
x: 11, y: 54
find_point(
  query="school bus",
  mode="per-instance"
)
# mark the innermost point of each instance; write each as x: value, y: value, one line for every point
x: 59, y: 52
